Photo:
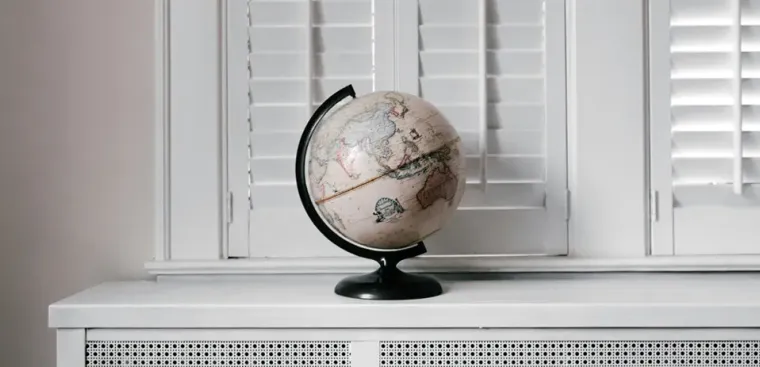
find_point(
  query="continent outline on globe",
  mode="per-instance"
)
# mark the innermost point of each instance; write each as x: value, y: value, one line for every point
x: 387, y: 160
x: 369, y: 130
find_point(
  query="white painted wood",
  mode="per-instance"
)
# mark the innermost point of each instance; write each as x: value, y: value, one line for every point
x: 301, y: 52
x: 505, y: 264
x: 479, y: 62
x: 711, y: 230
x: 407, y: 46
x: 226, y: 196
x: 704, y: 127
x: 660, y: 165
x: 516, y: 301
x: 308, y: 40
x: 558, y: 197
x: 497, y: 230
x: 194, y: 130
x: 161, y: 163
x: 374, y: 335
x: 365, y: 353
x: 505, y: 231
x: 737, y: 94
x: 596, y: 222
x: 482, y: 72
x: 717, y: 196
x: 528, y: 188
x: 238, y: 127
x: 607, y: 124
x: 70, y: 347
x: 384, y: 35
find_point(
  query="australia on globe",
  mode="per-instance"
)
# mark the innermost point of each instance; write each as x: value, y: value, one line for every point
x: 386, y: 170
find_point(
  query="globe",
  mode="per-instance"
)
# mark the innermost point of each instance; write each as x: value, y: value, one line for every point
x: 385, y: 170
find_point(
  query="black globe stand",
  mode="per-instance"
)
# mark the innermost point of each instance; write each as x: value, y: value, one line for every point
x: 388, y: 282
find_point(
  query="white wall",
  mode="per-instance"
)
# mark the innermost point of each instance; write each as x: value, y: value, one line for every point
x: 76, y: 200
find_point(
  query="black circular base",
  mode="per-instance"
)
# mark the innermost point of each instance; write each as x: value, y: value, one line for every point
x: 388, y: 283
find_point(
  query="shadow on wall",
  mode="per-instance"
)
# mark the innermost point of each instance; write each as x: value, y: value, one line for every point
x: 76, y: 169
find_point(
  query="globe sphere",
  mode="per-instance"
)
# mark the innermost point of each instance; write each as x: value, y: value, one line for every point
x: 385, y: 170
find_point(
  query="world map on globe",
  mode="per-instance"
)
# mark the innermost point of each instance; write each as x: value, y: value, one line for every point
x: 386, y: 170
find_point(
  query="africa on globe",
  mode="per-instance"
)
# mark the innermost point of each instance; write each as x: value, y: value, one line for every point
x: 385, y: 170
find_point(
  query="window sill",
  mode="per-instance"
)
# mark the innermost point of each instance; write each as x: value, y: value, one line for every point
x: 725, y: 300
x: 508, y: 264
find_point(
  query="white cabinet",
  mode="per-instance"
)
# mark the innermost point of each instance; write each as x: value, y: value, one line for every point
x: 604, y: 319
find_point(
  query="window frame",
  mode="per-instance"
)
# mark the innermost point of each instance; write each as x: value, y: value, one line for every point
x: 608, y: 163
x: 189, y: 211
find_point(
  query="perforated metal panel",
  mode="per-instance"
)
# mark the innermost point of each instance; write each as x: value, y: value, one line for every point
x: 570, y: 353
x: 227, y: 353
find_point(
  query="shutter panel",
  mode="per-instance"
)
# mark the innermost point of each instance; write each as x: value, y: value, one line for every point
x: 300, y: 53
x: 495, y: 68
x: 709, y: 76
x: 485, y: 65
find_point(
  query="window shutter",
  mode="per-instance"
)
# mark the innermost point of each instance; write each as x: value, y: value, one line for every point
x: 496, y: 69
x: 300, y: 53
x: 487, y: 65
x: 706, y: 126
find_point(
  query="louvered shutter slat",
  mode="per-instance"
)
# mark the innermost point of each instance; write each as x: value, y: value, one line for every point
x: 278, y: 117
x: 271, y: 170
x: 344, y: 64
x: 495, y: 96
x: 484, y: 65
x: 515, y: 12
x: 515, y: 117
x: 702, y: 96
x: 528, y: 89
x: 449, y: 77
x: 712, y: 127
x: 448, y: 69
x: 278, y: 90
x: 277, y: 38
x: 707, y: 170
x: 513, y: 157
x: 277, y: 13
x: 325, y: 64
x: 326, y: 86
x: 515, y: 62
x: 282, y: 81
x: 502, y: 141
x: 300, y: 52
x: 504, y: 170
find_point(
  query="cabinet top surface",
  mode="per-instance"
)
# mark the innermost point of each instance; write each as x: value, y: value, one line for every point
x: 513, y: 300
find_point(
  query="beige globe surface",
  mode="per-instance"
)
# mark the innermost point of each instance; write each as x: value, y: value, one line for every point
x: 386, y: 170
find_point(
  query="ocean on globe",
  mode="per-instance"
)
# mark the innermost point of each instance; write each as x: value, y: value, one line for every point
x: 386, y: 170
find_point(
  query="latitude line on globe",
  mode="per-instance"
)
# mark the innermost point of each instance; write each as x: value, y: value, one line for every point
x: 337, y: 194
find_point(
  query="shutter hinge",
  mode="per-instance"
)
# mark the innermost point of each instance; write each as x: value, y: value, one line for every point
x: 654, y: 205
x: 229, y: 207
x: 567, y: 205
